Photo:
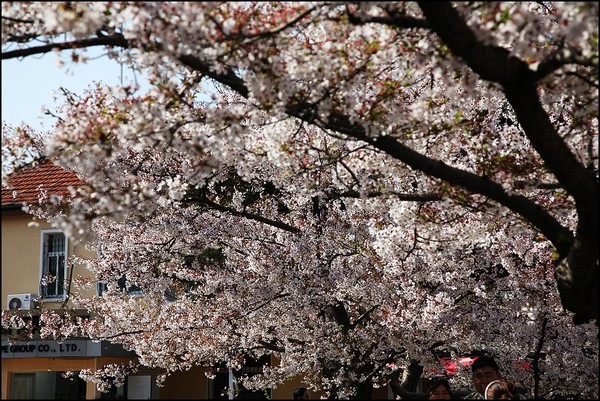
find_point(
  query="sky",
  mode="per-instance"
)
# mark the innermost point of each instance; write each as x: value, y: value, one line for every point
x: 27, y: 84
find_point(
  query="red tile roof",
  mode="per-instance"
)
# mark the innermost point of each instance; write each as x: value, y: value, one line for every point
x: 25, y: 185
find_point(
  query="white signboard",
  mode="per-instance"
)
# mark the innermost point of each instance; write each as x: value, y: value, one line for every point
x: 50, y: 349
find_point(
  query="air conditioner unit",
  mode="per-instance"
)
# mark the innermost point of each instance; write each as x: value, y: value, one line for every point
x: 22, y: 301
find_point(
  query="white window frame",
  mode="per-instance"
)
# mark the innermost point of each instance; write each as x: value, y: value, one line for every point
x: 43, y: 239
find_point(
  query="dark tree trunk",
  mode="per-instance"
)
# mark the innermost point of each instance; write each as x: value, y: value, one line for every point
x: 364, y: 391
x: 406, y: 389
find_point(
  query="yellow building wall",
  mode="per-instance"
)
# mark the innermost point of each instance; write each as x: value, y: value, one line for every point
x: 26, y: 365
x: 285, y: 391
x: 189, y: 385
x: 21, y: 257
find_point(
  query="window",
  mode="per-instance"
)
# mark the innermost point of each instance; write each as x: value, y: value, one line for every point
x: 131, y: 289
x: 46, y: 386
x: 53, y: 264
x: 102, y: 287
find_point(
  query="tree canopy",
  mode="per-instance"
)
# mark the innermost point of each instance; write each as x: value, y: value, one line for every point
x: 370, y: 184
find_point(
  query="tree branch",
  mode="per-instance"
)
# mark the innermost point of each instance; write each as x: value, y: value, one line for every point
x: 492, y: 63
x: 432, y: 197
x: 577, y: 268
x: 410, y: 378
x: 214, y: 205
x: 116, y: 40
x: 561, y: 58
x: 532, y: 212
x: 396, y: 20
x: 265, y: 302
x: 495, y: 64
x: 537, y: 356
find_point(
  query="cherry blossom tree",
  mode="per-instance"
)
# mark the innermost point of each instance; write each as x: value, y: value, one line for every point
x: 370, y: 184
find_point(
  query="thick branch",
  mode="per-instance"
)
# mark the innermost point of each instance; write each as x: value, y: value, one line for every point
x: 271, y: 346
x: 397, y: 20
x: 275, y: 31
x: 492, y: 63
x: 18, y: 20
x: 228, y: 78
x: 535, y: 214
x: 409, y: 382
x: 577, y: 271
x: 428, y: 197
x: 495, y: 64
x: 116, y: 40
x: 251, y: 216
x: 521, y: 184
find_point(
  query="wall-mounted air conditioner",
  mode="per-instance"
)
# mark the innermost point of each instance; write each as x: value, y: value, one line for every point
x: 21, y: 301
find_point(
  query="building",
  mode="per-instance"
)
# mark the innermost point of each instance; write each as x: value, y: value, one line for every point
x: 33, y: 250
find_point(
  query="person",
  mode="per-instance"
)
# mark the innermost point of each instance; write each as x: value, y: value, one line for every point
x: 439, y: 389
x: 485, y: 370
x: 501, y: 390
x: 301, y: 393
